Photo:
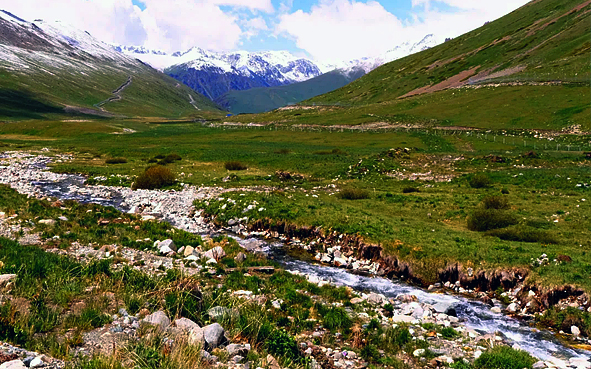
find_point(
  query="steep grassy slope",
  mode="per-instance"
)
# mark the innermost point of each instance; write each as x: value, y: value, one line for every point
x: 546, y: 40
x: 47, y: 71
x: 529, y: 69
x: 258, y: 100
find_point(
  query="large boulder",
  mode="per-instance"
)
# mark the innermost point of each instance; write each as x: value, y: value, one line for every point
x: 14, y: 364
x: 375, y: 299
x: 159, y: 319
x: 214, y: 335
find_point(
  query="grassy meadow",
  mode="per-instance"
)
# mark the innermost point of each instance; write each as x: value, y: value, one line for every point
x: 416, y: 202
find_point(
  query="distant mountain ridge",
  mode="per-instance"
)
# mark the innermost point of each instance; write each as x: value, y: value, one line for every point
x: 214, y: 74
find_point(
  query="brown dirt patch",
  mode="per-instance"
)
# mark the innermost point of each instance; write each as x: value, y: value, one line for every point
x: 456, y: 81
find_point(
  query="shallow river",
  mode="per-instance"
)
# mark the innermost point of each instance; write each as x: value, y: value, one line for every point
x: 475, y: 315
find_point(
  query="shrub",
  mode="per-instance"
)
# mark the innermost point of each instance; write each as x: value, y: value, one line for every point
x: 496, y: 202
x: 480, y: 180
x: 283, y: 344
x: 172, y: 158
x: 370, y: 353
x: 505, y: 191
x: 410, y: 190
x: 283, y: 151
x: 524, y: 234
x: 234, y: 165
x: 116, y: 161
x: 449, y: 333
x: 354, y: 194
x: 504, y: 357
x: 483, y: 220
x: 154, y: 177
x: 331, y: 152
x: 337, y: 318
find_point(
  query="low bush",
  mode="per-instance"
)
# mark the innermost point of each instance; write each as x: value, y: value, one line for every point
x: 154, y: 177
x: 410, y: 190
x: 354, y: 194
x: 331, y: 152
x: 116, y: 161
x: 234, y: 166
x: 524, y: 234
x: 496, y: 202
x: 281, y: 343
x: 564, y: 319
x: 283, y: 151
x: 504, y: 357
x: 480, y: 180
x: 336, y: 318
x: 483, y: 219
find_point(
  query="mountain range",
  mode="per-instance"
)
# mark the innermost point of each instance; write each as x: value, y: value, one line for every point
x: 53, y: 68
x: 215, y: 74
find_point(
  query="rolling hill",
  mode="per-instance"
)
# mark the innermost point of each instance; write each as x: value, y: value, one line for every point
x: 258, y: 100
x: 49, y: 69
x: 528, y: 69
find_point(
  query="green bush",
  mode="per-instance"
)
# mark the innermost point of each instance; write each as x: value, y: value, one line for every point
x: 354, y: 194
x: 283, y: 344
x: 172, y: 158
x: 336, y: 318
x: 504, y: 357
x: 524, y: 234
x: 283, y: 151
x: 480, y: 180
x: 234, y: 166
x: 154, y: 177
x: 370, y: 353
x: 410, y: 190
x: 116, y: 161
x: 483, y: 219
x: 496, y: 202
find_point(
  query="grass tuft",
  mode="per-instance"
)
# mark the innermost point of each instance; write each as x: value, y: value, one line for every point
x: 154, y: 177
x: 354, y: 194
x: 235, y: 166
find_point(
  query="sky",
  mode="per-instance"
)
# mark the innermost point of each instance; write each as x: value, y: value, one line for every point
x: 322, y: 30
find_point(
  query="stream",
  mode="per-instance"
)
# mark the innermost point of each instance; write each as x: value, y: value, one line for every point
x: 473, y: 314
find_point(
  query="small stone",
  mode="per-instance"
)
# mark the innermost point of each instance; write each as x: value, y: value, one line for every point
x: 63, y: 219
x: 539, y: 365
x: 47, y: 221
x: 185, y: 324
x: 418, y: 352
x: 496, y: 310
x: 238, y: 349
x: 214, y: 335
x: 575, y: 331
x: 159, y: 318
x: 37, y: 362
x: 531, y: 293
x: 375, y: 299
x: 512, y: 308
x: 217, y: 253
x: 188, y: 251
x: 356, y: 300
x: 240, y: 258
x: 477, y: 354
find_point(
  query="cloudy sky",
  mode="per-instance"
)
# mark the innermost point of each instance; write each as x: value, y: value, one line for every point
x: 326, y: 30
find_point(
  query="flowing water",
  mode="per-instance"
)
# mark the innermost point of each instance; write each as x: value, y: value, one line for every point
x: 475, y: 315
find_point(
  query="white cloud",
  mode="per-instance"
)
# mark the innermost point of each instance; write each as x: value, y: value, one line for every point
x: 172, y: 25
x: 348, y: 29
x: 254, y: 26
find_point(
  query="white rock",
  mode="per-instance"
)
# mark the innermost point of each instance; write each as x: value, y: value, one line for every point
x: 47, y: 221
x: 575, y: 331
x: 477, y: 354
x: 418, y: 352
x: 37, y: 362
x: 216, y: 253
x: 158, y: 318
x: 531, y: 293
x: 496, y: 310
x: 512, y: 308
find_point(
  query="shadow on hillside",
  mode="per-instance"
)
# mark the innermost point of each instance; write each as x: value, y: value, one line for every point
x: 22, y: 104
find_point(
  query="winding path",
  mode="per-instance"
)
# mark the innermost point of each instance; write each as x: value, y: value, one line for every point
x: 116, y: 93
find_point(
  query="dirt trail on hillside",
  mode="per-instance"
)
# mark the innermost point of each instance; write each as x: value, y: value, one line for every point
x: 116, y: 93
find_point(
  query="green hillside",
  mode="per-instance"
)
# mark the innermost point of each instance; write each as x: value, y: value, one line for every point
x: 528, y: 69
x: 258, y: 100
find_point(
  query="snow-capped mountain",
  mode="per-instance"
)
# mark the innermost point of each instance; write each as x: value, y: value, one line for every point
x: 214, y: 73
x: 370, y: 63
x: 67, y: 67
